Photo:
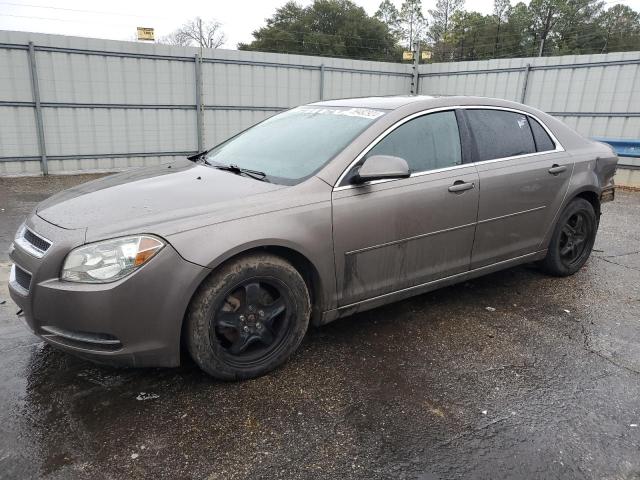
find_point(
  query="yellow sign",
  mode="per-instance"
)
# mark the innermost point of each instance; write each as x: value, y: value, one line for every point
x: 145, y: 33
x: 407, y: 55
x: 426, y: 55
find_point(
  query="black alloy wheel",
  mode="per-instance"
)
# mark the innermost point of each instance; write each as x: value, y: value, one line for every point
x: 572, y: 239
x: 252, y: 320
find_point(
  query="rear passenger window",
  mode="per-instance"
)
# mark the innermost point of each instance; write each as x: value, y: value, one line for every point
x: 426, y: 143
x: 542, y: 138
x: 500, y: 134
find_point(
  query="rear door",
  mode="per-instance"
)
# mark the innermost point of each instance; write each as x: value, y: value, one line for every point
x: 524, y: 175
x: 393, y: 235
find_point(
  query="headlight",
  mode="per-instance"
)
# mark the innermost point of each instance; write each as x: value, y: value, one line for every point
x: 110, y: 260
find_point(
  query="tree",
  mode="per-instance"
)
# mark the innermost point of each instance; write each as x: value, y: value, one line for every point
x: 177, y: 39
x: 621, y: 25
x: 517, y: 37
x: 537, y: 27
x: 501, y: 10
x: 471, y: 36
x: 576, y: 31
x: 413, y: 25
x: 197, y: 32
x: 326, y: 27
x: 441, y: 24
x: 501, y: 14
x: 441, y: 17
x: 389, y: 15
x: 558, y: 17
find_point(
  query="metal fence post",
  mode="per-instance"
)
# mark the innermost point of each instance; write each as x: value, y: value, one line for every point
x: 322, y: 81
x: 416, y: 73
x: 523, y: 94
x: 35, y: 90
x: 199, y: 109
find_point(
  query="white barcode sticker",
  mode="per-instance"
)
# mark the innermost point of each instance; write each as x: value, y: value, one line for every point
x: 348, y: 112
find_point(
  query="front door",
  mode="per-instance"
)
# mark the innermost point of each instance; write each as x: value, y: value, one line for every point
x: 397, y: 234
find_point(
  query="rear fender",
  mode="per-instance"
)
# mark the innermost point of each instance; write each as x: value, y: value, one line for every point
x: 591, y: 175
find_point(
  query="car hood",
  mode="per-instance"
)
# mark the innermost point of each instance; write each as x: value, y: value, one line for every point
x: 140, y: 198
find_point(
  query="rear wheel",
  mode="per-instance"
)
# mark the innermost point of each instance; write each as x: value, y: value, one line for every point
x: 572, y: 239
x: 248, y: 317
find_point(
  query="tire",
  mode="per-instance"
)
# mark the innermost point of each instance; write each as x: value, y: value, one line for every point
x: 236, y: 330
x: 568, y: 251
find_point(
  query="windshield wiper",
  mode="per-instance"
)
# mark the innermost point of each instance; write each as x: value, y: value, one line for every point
x: 243, y: 171
x: 200, y: 156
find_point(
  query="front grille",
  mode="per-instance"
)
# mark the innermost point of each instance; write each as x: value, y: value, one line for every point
x: 31, y: 242
x: 37, y: 241
x: 23, y: 278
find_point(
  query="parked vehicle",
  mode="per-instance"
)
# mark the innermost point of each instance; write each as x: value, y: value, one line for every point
x: 314, y: 214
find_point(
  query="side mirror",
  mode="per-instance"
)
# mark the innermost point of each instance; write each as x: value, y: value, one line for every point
x: 382, y: 167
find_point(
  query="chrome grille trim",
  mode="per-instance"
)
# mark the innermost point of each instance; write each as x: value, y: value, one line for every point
x: 32, y: 243
x: 84, y: 337
x: 17, y: 277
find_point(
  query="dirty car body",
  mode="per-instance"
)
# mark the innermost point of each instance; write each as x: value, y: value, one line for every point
x: 486, y: 185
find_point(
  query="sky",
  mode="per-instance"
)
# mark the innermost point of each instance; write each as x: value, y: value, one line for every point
x: 118, y: 19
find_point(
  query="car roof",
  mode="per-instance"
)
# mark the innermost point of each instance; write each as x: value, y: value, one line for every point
x: 395, y: 102
x: 384, y: 103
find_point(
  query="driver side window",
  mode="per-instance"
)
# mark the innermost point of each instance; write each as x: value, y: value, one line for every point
x: 428, y: 142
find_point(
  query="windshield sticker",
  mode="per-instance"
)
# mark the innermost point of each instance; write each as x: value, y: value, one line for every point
x: 522, y: 122
x: 349, y: 112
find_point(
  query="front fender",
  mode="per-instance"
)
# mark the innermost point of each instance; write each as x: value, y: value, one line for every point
x: 305, y: 229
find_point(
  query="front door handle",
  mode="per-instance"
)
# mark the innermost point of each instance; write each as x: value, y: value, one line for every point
x: 556, y: 169
x: 460, y: 186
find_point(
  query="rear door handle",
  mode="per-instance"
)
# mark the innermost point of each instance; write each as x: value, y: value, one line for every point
x: 556, y: 169
x: 461, y: 186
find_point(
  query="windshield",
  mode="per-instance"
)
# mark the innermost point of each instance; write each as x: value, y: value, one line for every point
x: 295, y: 144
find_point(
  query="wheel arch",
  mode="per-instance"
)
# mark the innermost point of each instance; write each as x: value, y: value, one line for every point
x: 589, y: 193
x: 295, y: 257
x: 590, y: 196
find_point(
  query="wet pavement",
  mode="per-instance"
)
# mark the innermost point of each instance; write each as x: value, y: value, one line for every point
x: 514, y: 375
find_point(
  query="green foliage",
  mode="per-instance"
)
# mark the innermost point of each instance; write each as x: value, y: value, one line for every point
x: 539, y: 27
x: 444, y: 15
x: 542, y: 27
x: 620, y: 28
x: 334, y: 28
x: 471, y: 36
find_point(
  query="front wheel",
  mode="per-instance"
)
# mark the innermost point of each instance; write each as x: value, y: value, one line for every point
x: 572, y: 239
x: 248, y: 317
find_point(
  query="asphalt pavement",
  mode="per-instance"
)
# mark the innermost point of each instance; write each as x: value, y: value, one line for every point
x: 514, y: 375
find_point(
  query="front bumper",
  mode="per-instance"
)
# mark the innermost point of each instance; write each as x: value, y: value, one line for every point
x: 134, y: 321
